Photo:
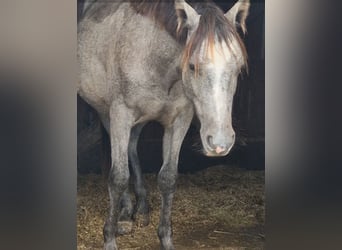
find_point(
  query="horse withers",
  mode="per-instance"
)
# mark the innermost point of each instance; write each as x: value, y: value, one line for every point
x: 164, y: 61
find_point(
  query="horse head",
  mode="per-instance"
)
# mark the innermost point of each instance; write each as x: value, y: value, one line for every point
x: 212, y: 60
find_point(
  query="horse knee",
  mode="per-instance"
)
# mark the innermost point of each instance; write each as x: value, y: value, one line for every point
x: 167, y: 179
x: 118, y: 179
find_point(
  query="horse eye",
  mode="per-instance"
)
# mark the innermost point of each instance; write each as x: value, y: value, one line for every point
x: 191, y: 67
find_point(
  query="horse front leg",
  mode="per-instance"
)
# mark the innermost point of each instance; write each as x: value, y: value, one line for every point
x: 172, y: 141
x: 126, y: 210
x: 121, y: 120
x: 125, y: 223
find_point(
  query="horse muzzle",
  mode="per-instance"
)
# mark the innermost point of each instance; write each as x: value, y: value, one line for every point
x: 218, y: 145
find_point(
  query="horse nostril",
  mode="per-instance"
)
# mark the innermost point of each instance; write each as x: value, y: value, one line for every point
x: 210, y: 142
x: 220, y: 149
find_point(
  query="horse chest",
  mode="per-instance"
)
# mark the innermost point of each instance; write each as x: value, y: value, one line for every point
x: 164, y: 110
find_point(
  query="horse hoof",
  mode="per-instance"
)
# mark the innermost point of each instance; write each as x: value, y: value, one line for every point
x: 142, y: 220
x: 111, y: 245
x: 124, y: 227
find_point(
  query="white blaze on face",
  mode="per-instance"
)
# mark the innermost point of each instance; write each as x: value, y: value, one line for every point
x: 219, y: 62
x: 220, y: 59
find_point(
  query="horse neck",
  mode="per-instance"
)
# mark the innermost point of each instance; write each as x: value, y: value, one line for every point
x: 167, y: 54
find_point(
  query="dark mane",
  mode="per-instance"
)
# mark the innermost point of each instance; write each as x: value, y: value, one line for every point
x: 163, y: 13
x: 98, y: 10
x: 212, y: 25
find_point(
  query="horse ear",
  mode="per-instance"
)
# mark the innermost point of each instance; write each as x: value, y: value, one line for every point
x: 242, y: 7
x: 186, y: 15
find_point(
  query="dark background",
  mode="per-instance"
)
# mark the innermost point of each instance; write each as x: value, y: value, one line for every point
x: 248, y: 118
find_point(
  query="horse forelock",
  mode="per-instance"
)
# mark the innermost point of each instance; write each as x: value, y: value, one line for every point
x: 213, y: 27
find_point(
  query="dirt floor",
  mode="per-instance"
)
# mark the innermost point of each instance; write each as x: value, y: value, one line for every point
x: 220, y: 208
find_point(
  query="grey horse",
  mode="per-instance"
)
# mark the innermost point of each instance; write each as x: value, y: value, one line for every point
x: 164, y: 61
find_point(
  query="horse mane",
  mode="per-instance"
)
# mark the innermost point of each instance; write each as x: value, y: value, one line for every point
x: 97, y: 10
x: 164, y: 14
x: 212, y: 25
